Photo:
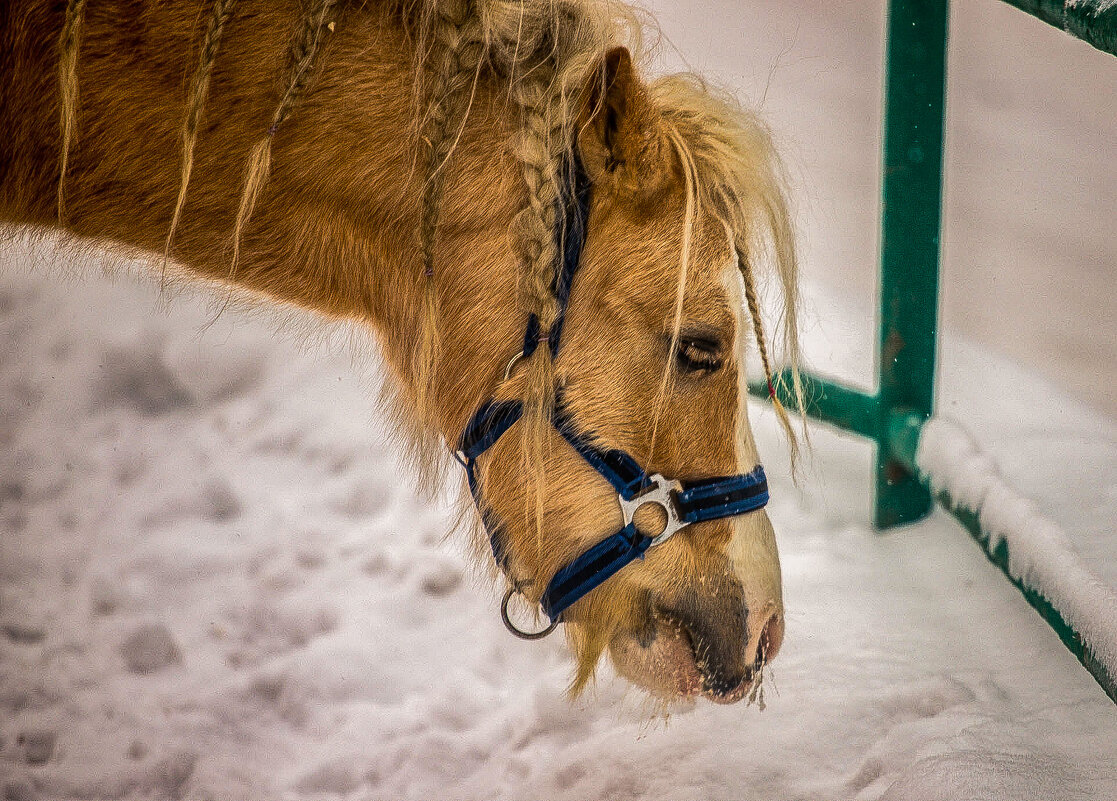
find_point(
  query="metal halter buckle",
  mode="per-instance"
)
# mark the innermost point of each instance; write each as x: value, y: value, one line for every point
x: 663, y: 494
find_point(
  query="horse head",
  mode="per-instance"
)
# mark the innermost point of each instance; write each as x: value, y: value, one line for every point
x: 652, y: 365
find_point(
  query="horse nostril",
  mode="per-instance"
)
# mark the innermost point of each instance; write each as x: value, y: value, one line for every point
x: 771, y: 638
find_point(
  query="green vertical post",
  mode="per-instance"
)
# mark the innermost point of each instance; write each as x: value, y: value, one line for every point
x: 909, y: 263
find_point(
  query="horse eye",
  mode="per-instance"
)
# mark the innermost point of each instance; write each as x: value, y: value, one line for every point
x: 698, y: 355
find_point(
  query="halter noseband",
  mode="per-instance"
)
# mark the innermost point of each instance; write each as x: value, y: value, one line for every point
x: 683, y: 502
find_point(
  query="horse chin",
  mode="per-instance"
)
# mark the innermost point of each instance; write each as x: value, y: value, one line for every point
x: 666, y: 668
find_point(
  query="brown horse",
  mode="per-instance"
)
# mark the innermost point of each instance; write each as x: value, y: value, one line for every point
x: 401, y: 164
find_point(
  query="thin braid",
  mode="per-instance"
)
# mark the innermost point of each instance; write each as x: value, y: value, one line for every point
x: 541, y: 151
x: 545, y: 50
x: 199, y: 88
x: 315, y: 27
x: 455, y: 58
x: 68, y: 44
x: 457, y: 31
x: 762, y: 346
x: 541, y: 148
x: 757, y: 324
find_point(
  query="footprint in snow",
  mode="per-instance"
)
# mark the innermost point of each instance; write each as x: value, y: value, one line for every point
x: 37, y: 746
x: 149, y: 649
x: 440, y: 579
x: 138, y: 378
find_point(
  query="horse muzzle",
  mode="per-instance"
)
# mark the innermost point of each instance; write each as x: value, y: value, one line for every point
x: 709, y: 644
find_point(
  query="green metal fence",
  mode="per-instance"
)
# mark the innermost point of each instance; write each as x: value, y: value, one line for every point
x: 909, y: 265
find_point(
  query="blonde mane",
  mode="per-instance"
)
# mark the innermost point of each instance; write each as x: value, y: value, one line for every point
x: 548, y: 53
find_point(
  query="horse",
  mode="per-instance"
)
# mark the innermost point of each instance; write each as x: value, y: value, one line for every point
x: 452, y: 174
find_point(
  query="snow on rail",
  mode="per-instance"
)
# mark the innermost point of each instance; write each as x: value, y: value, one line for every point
x: 1040, y: 552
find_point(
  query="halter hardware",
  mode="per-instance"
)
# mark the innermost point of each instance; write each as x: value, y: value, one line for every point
x: 683, y: 502
x: 663, y: 494
x: 516, y: 589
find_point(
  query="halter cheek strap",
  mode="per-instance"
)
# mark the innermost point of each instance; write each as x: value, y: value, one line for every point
x: 684, y: 503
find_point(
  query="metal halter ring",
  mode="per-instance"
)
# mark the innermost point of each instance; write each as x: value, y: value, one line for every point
x: 662, y: 494
x: 523, y: 635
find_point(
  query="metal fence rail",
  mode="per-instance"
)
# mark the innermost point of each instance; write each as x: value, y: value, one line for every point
x: 893, y: 414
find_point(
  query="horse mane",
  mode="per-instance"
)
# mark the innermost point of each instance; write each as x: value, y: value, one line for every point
x: 547, y: 54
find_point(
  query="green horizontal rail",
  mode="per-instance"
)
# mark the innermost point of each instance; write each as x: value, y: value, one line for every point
x: 828, y: 401
x: 1092, y: 21
x: 999, y: 556
x: 904, y: 437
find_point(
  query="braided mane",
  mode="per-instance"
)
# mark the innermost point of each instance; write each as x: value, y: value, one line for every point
x: 547, y: 51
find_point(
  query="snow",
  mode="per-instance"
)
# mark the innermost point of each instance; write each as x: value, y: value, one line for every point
x: 1041, y: 554
x: 218, y: 503
x: 306, y: 633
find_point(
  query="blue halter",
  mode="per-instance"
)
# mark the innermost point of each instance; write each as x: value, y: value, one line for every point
x: 684, y: 502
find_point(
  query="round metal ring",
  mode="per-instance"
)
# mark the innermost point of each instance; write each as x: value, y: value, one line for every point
x: 523, y: 635
x: 511, y: 364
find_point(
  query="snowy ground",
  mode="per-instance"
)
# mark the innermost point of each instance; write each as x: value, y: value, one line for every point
x: 216, y: 581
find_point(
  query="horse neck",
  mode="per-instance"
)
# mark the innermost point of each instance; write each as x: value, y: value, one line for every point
x: 335, y: 229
